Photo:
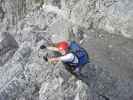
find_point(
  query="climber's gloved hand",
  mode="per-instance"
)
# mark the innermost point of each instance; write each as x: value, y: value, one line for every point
x: 43, y: 47
x: 45, y: 58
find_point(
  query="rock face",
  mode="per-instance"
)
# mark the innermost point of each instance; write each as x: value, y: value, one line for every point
x: 113, y: 16
x: 104, y: 26
x: 8, y: 46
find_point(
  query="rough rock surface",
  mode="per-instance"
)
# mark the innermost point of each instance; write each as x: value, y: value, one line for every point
x: 106, y: 27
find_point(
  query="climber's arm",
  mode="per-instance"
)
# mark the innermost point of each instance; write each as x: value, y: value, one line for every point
x: 65, y: 58
x: 52, y: 48
x: 55, y: 59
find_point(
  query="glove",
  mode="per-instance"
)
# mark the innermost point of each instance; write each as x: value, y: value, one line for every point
x: 43, y: 47
x: 45, y: 58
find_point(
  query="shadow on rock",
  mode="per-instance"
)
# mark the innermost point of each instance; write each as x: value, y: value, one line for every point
x: 8, y: 47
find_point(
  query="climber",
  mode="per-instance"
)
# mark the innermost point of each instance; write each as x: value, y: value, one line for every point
x: 73, y: 55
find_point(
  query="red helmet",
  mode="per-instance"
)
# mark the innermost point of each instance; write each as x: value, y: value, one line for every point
x: 63, y: 45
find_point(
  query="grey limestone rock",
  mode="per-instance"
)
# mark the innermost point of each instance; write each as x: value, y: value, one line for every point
x: 8, y: 46
x: 106, y: 31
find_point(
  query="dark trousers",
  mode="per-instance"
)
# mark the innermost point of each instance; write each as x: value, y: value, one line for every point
x: 69, y: 67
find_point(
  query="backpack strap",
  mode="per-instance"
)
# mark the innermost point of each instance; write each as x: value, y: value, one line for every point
x: 82, y: 54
